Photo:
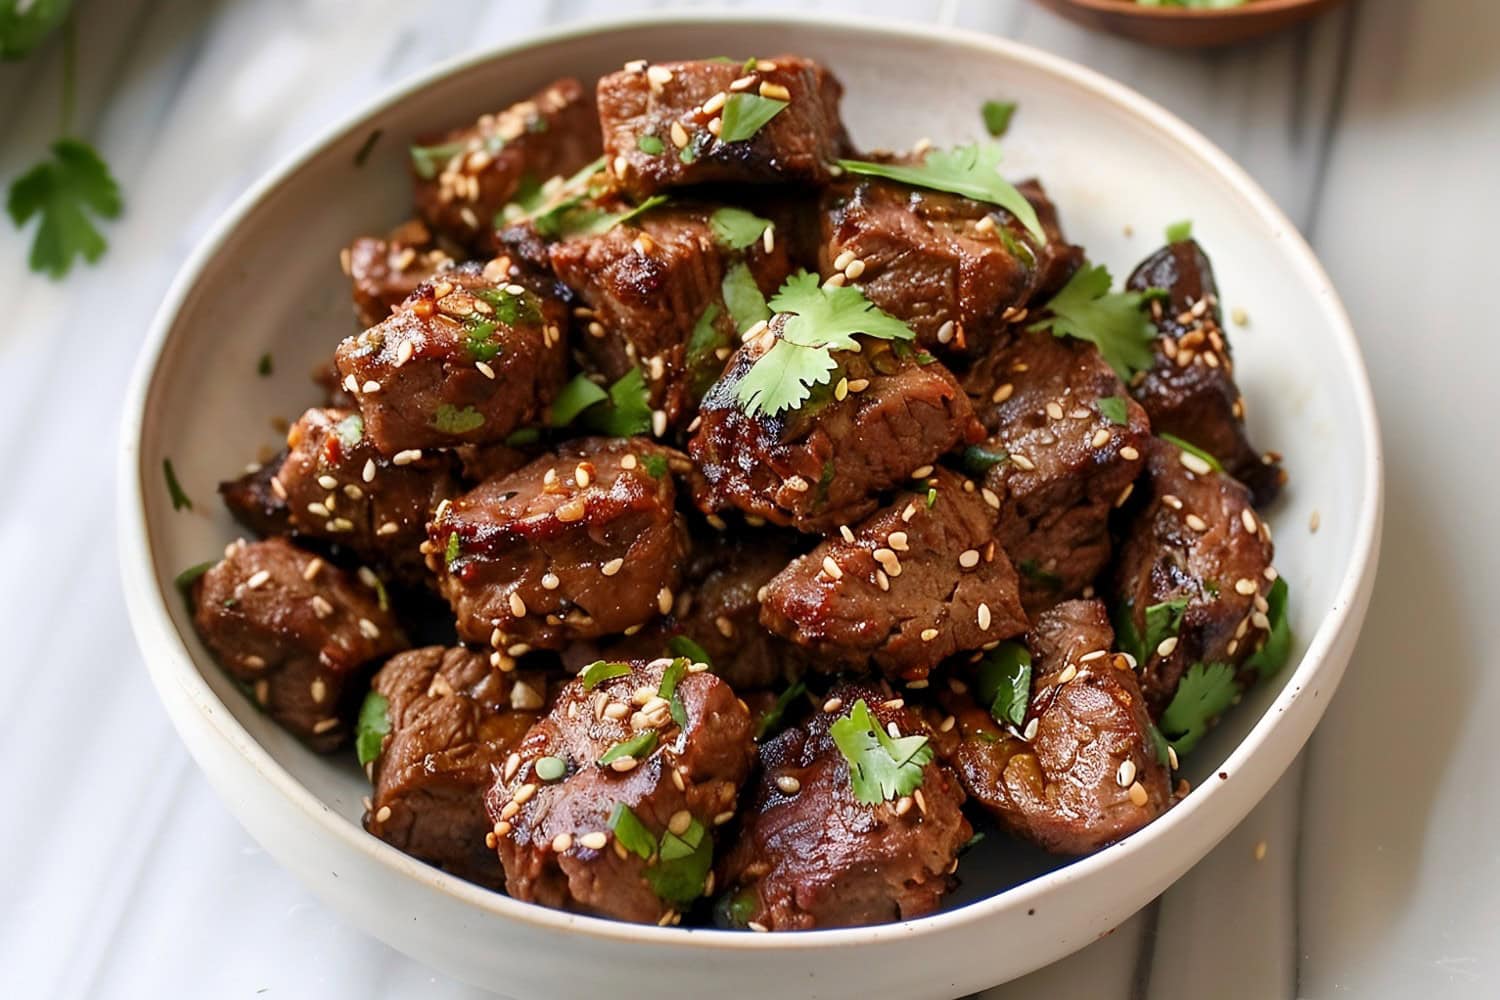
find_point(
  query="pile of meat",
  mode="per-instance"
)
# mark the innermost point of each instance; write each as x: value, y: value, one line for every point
x: 665, y: 657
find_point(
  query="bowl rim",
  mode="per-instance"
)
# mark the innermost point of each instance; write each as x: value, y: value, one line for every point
x: 1245, y: 12
x: 147, y: 597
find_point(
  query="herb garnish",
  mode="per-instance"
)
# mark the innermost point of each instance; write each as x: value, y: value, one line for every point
x: 363, y: 152
x: 744, y: 115
x: 627, y: 411
x: 575, y: 397
x: 977, y: 461
x: 650, y: 145
x: 428, y: 161
x: 1179, y: 231
x: 1005, y: 682
x: 1192, y: 449
x: 599, y: 671
x: 1163, y: 621
x: 681, y: 645
x: 631, y: 832
x: 1272, y: 656
x: 450, y: 551
x: 1111, y: 321
x: 549, y: 768
x: 997, y: 116
x: 670, y: 678
x: 1205, y: 691
x: 372, y: 726
x: 972, y: 171
x: 451, y: 420
x: 683, y: 861
x: 638, y: 747
x: 881, y: 767
x: 1113, y: 409
x: 350, y: 430
x: 180, y: 499
x: 184, y: 581
x: 737, y: 228
x: 743, y: 298
x: 263, y: 367
x: 770, y: 722
x: 655, y: 465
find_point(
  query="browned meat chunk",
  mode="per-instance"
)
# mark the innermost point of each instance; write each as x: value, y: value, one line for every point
x: 1190, y: 391
x: 254, y: 502
x: 384, y: 272
x: 450, y: 718
x: 463, y: 178
x: 1193, y: 575
x: 577, y: 545
x: 463, y: 361
x: 904, y: 590
x: 1066, y: 445
x: 655, y: 291
x: 956, y: 270
x: 677, y: 123
x: 609, y: 804
x: 297, y: 631
x: 812, y: 853
x: 884, y: 414
x: 1081, y: 769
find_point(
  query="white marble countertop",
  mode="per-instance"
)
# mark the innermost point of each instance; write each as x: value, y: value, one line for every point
x: 1377, y: 129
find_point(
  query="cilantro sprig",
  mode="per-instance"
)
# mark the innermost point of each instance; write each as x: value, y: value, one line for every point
x: 1005, y: 683
x: 1272, y: 656
x: 881, y: 767
x: 1085, y: 308
x: 1206, y: 690
x: 371, y: 728
x: 677, y: 865
x: 972, y: 171
x: 622, y: 410
x: 737, y: 228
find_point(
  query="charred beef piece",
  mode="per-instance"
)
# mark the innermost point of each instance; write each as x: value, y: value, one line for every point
x: 655, y: 292
x: 452, y: 718
x: 464, y: 360
x: 463, y: 178
x: 1190, y: 392
x: 297, y: 631
x: 1083, y: 771
x: 1193, y: 574
x: 884, y: 414
x: 610, y: 803
x: 904, y: 590
x: 957, y: 271
x: 811, y: 855
x: 254, y: 502
x: 577, y: 545
x: 1060, y: 458
x: 662, y: 123
x: 384, y: 272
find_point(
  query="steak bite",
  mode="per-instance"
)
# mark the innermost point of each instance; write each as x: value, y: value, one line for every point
x: 609, y: 804
x: 885, y: 413
x: 1190, y: 391
x: 907, y: 588
x: 463, y: 178
x: 384, y: 272
x: 673, y: 124
x: 655, y: 294
x: 464, y: 360
x: 813, y: 854
x: 254, y: 502
x: 1081, y: 770
x: 957, y: 271
x: 579, y: 544
x: 1193, y: 575
x: 450, y: 719
x: 1065, y: 447
x: 297, y: 631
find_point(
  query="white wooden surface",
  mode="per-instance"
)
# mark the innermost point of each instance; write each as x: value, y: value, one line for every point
x: 1377, y: 129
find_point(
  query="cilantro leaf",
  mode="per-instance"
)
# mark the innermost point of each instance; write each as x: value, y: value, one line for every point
x: 997, y: 116
x: 372, y: 726
x: 626, y: 412
x: 1272, y: 656
x: 1163, y: 621
x: 650, y: 145
x: 1113, y: 409
x: 744, y: 115
x: 821, y: 319
x: 1180, y: 231
x: 972, y: 171
x: 428, y: 161
x: 451, y: 420
x: 742, y: 297
x: 451, y: 550
x: 681, y: 645
x: 638, y: 746
x: 737, y: 228
x: 180, y: 499
x: 599, y: 671
x: 702, y: 357
x: 631, y: 832
x: 24, y: 26
x: 1205, y: 691
x: 1111, y: 321
x: 350, y: 430
x: 1192, y: 449
x: 1127, y: 637
x: 770, y: 722
x: 656, y: 465
x: 881, y: 767
x: 575, y: 397
x: 63, y: 191
x: 683, y: 863
x: 1005, y: 682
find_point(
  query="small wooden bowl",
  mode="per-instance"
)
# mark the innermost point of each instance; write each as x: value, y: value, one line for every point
x: 1177, y: 27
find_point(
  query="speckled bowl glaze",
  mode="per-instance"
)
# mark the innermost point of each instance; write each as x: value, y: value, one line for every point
x: 267, y: 279
x: 1179, y: 28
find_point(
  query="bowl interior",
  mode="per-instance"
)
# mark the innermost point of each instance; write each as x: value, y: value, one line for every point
x: 272, y: 283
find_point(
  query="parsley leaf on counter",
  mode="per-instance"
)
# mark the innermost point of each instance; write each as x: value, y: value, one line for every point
x: 736, y: 228
x: 63, y: 191
x: 1111, y: 321
x: 1271, y: 657
x: 1005, y: 683
x: 821, y: 319
x: 745, y: 114
x: 997, y: 116
x: 881, y: 767
x: 1205, y: 692
x: 371, y: 728
x: 180, y: 499
x: 972, y: 171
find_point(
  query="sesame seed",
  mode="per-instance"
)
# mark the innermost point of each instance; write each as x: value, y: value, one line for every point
x: 990, y: 497
x: 680, y: 821
x: 897, y: 540
x: 859, y: 385
x: 318, y: 689
x: 1196, y: 523
x: 1125, y: 776
x: 1003, y: 393
x: 846, y: 534
x: 311, y: 570
x: 775, y: 91
x: 369, y: 629
x: 321, y: 607
x: 1069, y: 672
x: 257, y: 579
x: 1124, y: 494
x: 383, y: 815
x: 1029, y: 733
x: 833, y: 704
x: 594, y: 841
x: 658, y: 76
x: 1100, y: 439
x: 715, y: 125
x: 254, y: 662
x: 371, y: 387
x: 406, y: 457
x: 663, y: 600
x: 1097, y: 654
x: 319, y: 509
x: 562, y: 843
x: 882, y: 580
x: 982, y: 616
x: 517, y: 605
x: 659, y: 422
x: 945, y: 332
x: 1194, y: 463
x: 797, y: 484
x: 1166, y: 646
x: 832, y: 568
x: 1138, y: 794
x: 1054, y: 411
x: 969, y: 558
x: 921, y: 472
x: 1171, y: 501
x: 369, y: 471
x: 612, y: 567
x: 351, y: 384
x: 757, y: 926
x: 1172, y: 756
x: 572, y: 510
x: 903, y: 805
x: 1261, y: 621
x: 1022, y: 462
x: 1245, y: 586
x: 1129, y: 454
x: 1313, y: 522
x: 929, y: 634
x: 524, y: 793
x: 841, y: 391
x: 854, y: 270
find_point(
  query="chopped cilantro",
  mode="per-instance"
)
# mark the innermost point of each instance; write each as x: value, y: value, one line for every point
x: 702, y: 356
x: 1177, y: 232
x: 549, y: 768
x: 350, y: 431
x: 362, y: 154
x: 599, y: 671
x: 655, y: 465
x: 821, y: 320
x: 450, y: 551
x: 631, y: 832
x: 742, y: 297
x: 681, y: 645
x: 638, y: 746
x: 429, y: 161
x: 372, y: 726
x: 997, y: 116
x: 180, y: 499
x: 972, y: 171
x: 1192, y: 449
x: 1205, y: 691
x: 1005, y: 682
x: 263, y: 367
x: 650, y: 145
x: 1111, y: 321
x: 549, y: 206
x: 1113, y: 409
x: 683, y: 863
x: 744, y: 115
x: 770, y: 722
x: 737, y: 228
x: 575, y: 397
x: 881, y: 767
x: 977, y: 461
x: 1272, y: 656
x: 1163, y: 621
x: 63, y: 190
x: 626, y: 412
x: 451, y: 420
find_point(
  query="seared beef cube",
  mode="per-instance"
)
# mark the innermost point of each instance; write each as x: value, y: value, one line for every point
x: 338, y: 488
x: 298, y: 631
x: 579, y: 544
x: 463, y: 178
x: 811, y: 854
x: 1071, y: 441
x: 327, y: 378
x: 957, y: 271
x: 384, y: 272
x: 478, y: 462
x: 883, y: 415
x: 1081, y: 771
x: 1195, y: 555
x: 451, y: 718
x: 610, y: 803
x: 904, y: 590
x: 655, y: 292
x: 664, y: 123
x: 1190, y: 391
x: 463, y: 361
x: 254, y: 502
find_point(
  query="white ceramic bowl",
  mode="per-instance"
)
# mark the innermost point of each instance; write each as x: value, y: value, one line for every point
x: 267, y: 279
